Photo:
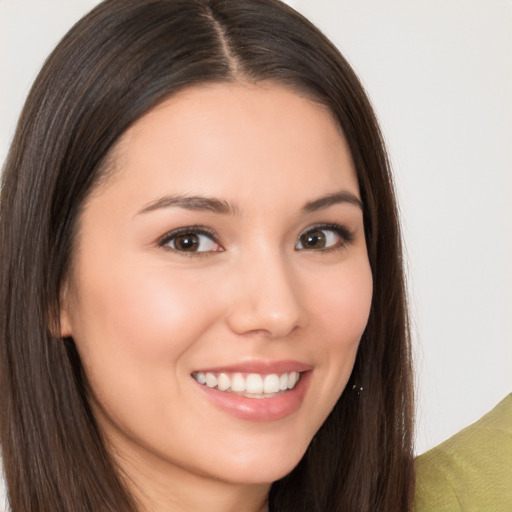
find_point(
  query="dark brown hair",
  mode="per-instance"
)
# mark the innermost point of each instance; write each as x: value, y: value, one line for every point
x: 114, y: 65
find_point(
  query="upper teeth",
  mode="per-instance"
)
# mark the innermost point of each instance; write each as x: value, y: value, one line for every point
x: 252, y: 383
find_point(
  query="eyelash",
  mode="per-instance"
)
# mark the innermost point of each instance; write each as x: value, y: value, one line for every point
x: 346, y: 236
x: 189, y: 230
x: 344, y: 233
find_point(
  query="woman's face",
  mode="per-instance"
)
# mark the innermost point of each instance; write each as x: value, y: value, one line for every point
x: 225, y: 251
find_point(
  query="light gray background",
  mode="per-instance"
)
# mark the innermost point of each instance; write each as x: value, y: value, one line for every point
x: 439, y: 74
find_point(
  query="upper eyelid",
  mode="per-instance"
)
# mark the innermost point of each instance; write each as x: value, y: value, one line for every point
x: 333, y: 226
x: 196, y: 229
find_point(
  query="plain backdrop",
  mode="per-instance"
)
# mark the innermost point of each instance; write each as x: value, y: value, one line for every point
x: 439, y: 74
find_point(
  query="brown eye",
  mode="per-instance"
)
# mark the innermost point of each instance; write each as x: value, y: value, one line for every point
x: 188, y: 242
x: 191, y: 241
x: 322, y: 238
x: 314, y: 239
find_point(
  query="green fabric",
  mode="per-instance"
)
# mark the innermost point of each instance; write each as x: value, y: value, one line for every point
x: 471, y: 471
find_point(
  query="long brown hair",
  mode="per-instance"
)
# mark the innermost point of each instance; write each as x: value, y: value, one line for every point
x: 114, y: 65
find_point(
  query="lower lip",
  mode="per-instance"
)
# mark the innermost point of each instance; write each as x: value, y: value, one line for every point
x: 260, y: 409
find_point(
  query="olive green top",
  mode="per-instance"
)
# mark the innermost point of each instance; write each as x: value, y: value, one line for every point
x: 471, y: 471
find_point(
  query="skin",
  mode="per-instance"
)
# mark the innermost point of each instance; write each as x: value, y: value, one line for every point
x: 144, y: 316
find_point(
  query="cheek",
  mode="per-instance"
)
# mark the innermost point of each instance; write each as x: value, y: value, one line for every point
x: 133, y: 331
x: 343, y: 303
x: 342, y: 311
x: 139, y: 323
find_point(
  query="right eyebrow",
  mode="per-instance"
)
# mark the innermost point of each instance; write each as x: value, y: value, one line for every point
x: 197, y: 203
x: 343, y: 196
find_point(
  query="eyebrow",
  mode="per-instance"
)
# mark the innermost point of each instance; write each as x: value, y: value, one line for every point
x: 214, y: 205
x: 198, y: 203
x: 343, y: 196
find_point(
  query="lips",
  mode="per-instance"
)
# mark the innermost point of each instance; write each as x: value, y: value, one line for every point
x: 256, y: 391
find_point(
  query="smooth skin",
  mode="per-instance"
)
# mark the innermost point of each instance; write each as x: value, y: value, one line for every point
x: 272, y: 271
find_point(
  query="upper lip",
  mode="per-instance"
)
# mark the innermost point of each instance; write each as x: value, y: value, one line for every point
x: 261, y: 367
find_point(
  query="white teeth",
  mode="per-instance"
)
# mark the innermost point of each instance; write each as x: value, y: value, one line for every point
x: 224, y: 382
x: 237, y: 383
x: 253, y: 384
x: 211, y: 380
x: 293, y: 378
x: 271, y: 384
x: 200, y: 377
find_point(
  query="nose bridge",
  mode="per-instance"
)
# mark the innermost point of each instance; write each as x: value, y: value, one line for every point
x: 267, y: 297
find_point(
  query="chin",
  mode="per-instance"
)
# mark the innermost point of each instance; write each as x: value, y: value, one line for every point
x: 264, y: 467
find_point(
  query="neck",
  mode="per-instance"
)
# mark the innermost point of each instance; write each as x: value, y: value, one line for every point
x: 198, y: 495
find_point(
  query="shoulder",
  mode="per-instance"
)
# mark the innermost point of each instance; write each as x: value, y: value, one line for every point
x: 472, y: 470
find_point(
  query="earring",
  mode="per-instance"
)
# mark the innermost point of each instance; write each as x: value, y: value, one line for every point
x: 359, y: 389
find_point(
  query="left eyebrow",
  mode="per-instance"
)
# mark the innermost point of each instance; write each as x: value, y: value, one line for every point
x: 197, y: 203
x: 342, y: 196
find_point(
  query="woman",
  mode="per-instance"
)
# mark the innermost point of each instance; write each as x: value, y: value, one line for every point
x: 202, y: 290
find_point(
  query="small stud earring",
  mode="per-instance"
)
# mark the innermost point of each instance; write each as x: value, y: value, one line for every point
x: 359, y: 389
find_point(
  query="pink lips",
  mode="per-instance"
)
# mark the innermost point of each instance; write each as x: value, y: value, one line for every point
x: 260, y: 409
x: 262, y: 367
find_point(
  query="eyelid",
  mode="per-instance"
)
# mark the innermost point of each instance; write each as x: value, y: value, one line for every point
x: 346, y: 235
x: 185, y: 230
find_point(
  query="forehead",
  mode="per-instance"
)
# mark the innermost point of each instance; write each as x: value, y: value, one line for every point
x: 230, y: 139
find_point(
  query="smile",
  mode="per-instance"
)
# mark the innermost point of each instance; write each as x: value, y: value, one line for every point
x: 252, y: 385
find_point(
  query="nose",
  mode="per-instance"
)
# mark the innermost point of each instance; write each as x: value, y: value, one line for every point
x: 266, y: 298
